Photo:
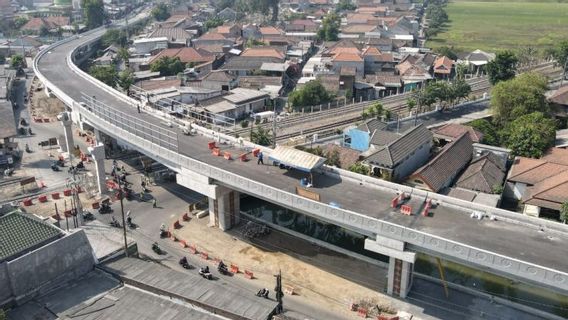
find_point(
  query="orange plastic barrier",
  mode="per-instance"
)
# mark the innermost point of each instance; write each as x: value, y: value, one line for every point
x: 216, y: 152
x: 289, y: 290
x: 387, y: 317
x: 211, y: 145
x: 227, y: 155
x: 255, y: 152
x: 426, y: 210
x: 55, y: 196
x: 67, y: 192
x: 177, y: 225
x: 42, y: 198
x: 406, y: 209
x: 56, y: 217
x: 249, y: 275
x: 28, y: 202
x: 67, y: 213
x: 192, y: 249
x: 394, y: 202
x: 362, y: 312
x: 95, y: 205
x: 234, y: 268
x: 185, y: 217
x: 243, y: 157
x: 182, y: 243
x: 204, y: 256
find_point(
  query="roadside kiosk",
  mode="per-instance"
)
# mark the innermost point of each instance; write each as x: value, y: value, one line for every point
x: 292, y: 158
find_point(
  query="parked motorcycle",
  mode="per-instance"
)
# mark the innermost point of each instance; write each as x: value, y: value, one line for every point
x: 222, y: 268
x: 55, y: 167
x: 263, y: 293
x: 105, y: 208
x: 204, y: 272
x: 183, y: 262
x: 115, y: 223
x: 157, y: 248
x: 87, y: 216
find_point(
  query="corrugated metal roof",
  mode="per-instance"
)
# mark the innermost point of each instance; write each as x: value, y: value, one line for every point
x: 295, y: 158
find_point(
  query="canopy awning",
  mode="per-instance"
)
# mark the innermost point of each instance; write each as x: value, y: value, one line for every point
x: 296, y: 159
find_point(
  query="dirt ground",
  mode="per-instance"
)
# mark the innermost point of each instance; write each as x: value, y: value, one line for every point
x: 319, y: 275
x: 42, y: 105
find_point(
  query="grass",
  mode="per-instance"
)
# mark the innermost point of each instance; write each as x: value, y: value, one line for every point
x: 494, y: 25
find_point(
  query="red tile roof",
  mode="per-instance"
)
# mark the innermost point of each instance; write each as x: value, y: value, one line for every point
x: 262, y: 52
x: 212, y: 36
x: 344, y: 56
x: 35, y: 24
x: 268, y: 31
x: 560, y: 96
x: 186, y: 55
x: 443, y: 65
x: 454, y: 131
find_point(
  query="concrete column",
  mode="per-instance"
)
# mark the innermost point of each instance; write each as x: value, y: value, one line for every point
x: 68, y: 145
x: 98, y: 153
x: 401, y: 264
x: 224, y: 211
x: 98, y: 136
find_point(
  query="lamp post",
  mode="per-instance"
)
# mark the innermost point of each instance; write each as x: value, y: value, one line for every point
x: 121, y: 196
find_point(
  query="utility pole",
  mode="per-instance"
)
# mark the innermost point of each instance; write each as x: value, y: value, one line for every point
x: 273, y: 125
x: 121, y: 196
x: 278, y: 292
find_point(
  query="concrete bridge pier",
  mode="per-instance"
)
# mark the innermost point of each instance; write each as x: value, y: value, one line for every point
x: 224, y: 209
x: 401, y: 264
x: 98, y: 153
x: 68, y: 145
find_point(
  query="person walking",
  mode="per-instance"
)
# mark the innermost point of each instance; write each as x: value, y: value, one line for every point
x: 154, y: 203
x: 260, y: 158
x: 138, y: 106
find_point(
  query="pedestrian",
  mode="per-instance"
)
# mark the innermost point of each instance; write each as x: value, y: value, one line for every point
x: 123, y: 169
x: 114, y: 163
x: 260, y: 158
x: 143, y: 184
x: 138, y: 106
x: 154, y: 203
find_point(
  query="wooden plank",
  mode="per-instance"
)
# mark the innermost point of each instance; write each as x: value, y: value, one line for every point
x: 307, y: 194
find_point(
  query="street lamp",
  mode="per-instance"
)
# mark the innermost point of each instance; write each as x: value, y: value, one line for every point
x: 121, y: 197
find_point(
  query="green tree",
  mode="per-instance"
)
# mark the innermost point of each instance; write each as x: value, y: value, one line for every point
x: 330, y: 27
x: 490, y: 134
x: 94, y: 13
x: 359, y: 168
x: 564, y: 212
x: 503, y: 67
x: 527, y: 55
x: 161, y: 12
x: 461, y: 70
x: 43, y: 31
x: 333, y: 159
x: 2, y: 315
x: 167, y: 66
x: 20, y: 21
x: 123, y: 54
x: 560, y: 53
x: 375, y: 111
x: 447, y: 51
x: 519, y: 96
x: 17, y: 61
x: 530, y: 135
x: 114, y: 37
x: 345, y: 5
x: 126, y: 79
x: 261, y: 137
x: 259, y: 6
x: 106, y: 74
x: 311, y: 94
x: 213, y: 23
x: 2, y: 59
x: 459, y: 89
x: 410, y: 104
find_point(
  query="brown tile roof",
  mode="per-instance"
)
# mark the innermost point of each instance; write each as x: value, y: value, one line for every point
x: 159, y: 84
x: 304, y: 22
x: 560, y: 96
x: 549, y: 193
x: 447, y: 164
x: 483, y: 174
x: 443, y: 65
x: 212, y: 36
x: 532, y: 171
x: 556, y: 155
x: 384, y: 79
x: 218, y: 75
x: 186, y: 55
x: 371, y: 51
x: 454, y: 130
x: 339, y: 50
x: 213, y: 48
x: 347, y: 57
x: 347, y: 156
x: 173, y: 34
x: 269, y: 30
x: 358, y: 28
x: 371, y: 9
x: 35, y: 24
x: 262, y: 52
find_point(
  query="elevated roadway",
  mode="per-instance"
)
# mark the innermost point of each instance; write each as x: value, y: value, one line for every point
x: 516, y: 246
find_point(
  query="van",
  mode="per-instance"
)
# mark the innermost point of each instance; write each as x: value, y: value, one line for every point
x: 262, y: 117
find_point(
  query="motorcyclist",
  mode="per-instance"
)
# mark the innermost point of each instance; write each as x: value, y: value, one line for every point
x: 222, y: 267
x: 183, y: 261
x: 80, y: 165
x: 204, y: 270
x: 129, y: 221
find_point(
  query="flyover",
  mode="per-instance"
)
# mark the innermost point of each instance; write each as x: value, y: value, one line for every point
x: 512, y: 245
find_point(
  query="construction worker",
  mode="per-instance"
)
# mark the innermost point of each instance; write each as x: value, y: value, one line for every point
x: 154, y: 203
x: 260, y: 158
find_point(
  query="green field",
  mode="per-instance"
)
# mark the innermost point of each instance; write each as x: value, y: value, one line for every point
x: 503, y: 24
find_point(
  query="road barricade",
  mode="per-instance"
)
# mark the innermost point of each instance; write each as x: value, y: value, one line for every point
x: 234, y: 268
x: 249, y: 274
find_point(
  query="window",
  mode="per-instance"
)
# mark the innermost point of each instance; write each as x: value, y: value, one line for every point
x: 417, y: 181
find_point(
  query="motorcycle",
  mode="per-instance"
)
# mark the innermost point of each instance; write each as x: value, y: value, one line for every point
x: 28, y: 150
x: 8, y: 172
x: 263, y: 293
x: 204, y: 272
x: 88, y: 216
x: 60, y: 163
x: 222, y: 268
x: 80, y: 165
x: 130, y: 224
x: 156, y: 248
x: 105, y: 208
x: 163, y: 231
x: 55, y: 167
x: 183, y: 262
x: 115, y: 223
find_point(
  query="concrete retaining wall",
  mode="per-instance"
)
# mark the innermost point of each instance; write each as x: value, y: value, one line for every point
x: 59, y: 261
x: 5, y: 289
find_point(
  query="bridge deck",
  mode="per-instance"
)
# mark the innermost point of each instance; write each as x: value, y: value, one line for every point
x: 515, y: 241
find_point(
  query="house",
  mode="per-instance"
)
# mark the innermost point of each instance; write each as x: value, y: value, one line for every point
x: 413, y: 75
x: 376, y: 61
x: 147, y: 45
x: 441, y: 171
x: 227, y: 14
x: 213, y: 38
x: 545, y: 198
x: 528, y: 172
x: 252, y: 59
x: 50, y: 23
x: 477, y: 60
x: 343, y: 60
x: 451, y: 131
x: 302, y: 25
x: 394, y: 156
x: 347, y: 156
x: 239, y: 103
x: 364, y: 18
x: 177, y: 37
x: 359, y: 30
x: 186, y: 55
x: 443, y: 67
x: 109, y: 55
x: 219, y: 79
x: 484, y: 174
x: 559, y: 101
x: 251, y: 31
x: 232, y: 31
x: 386, y: 83
x: 270, y: 31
